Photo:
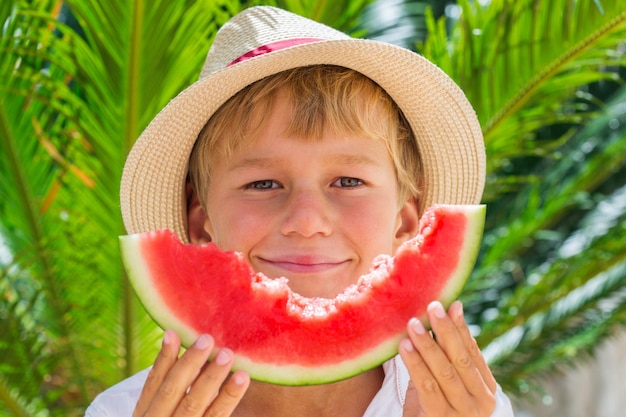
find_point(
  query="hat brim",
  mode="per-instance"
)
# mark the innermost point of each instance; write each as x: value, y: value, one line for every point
x: 447, y: 131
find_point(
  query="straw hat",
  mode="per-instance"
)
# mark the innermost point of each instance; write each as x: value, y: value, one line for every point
x: 262, y: 41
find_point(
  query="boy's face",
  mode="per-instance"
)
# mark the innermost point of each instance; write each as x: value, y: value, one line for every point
x: 316, y: 212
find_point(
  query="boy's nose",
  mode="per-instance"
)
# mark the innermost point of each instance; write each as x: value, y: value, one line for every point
x: 306, y: 214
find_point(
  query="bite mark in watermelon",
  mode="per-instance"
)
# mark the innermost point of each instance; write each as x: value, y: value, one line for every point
x: 281, y: 337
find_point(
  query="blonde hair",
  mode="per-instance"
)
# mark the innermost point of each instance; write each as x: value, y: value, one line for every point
x: 325, y: 98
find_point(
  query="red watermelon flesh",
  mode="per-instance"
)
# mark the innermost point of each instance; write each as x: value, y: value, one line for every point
x: 281, y: 337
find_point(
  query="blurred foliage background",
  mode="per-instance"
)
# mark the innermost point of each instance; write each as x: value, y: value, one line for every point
x: 79, y: 79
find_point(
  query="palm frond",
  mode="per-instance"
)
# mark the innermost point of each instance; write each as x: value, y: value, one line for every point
x: 340, y: 14
x: 73, y: 101
x: 29, y: 173
x: 399, y: 22
x: 558, y: 305
x: 563, y: 330
x: 25, y: 356
x: 593, y: 156
x: 508, y: 57
x: 12, y: 405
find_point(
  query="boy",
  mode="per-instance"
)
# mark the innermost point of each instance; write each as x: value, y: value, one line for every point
x: 310, y: 153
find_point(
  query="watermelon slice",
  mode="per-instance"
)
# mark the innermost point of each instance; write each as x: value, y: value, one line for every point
x: 281, y: 337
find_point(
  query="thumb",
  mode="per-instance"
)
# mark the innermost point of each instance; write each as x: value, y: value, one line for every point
x: 411, y: 402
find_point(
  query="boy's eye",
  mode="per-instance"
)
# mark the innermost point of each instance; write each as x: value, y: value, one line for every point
x: 348, y: 182
x: 262, y: 185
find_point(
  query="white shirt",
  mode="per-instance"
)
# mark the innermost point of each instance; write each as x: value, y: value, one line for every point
x: 120, y: 400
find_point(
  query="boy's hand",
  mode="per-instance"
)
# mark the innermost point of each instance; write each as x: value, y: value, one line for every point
x: 189, y: 385
x: 449, y: 375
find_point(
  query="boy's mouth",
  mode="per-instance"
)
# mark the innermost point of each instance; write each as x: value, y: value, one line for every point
x: 303, y: 264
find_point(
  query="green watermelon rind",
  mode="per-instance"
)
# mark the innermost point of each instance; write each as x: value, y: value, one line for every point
x: 296, y: 375
x: 293, y: 374
x: 468, y: 254
x: 149, y: 297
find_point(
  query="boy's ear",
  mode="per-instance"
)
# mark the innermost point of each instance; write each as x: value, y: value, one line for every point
x: 196, y: 218
x: 407, y: 222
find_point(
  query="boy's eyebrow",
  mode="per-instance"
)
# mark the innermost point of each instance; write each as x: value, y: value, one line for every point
x: 338, y: 159
x: 353, y: 160
x: 252, y: 163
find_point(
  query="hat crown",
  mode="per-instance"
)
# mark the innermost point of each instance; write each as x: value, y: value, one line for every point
x: 258, y: 27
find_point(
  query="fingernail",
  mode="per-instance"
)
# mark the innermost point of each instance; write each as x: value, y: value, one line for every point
x: 239, y: 378
x: 222, y: 358
x: 167, y: 338
x: 417, y: 326
x: 407, y: 345
x: 203, y: 342
x: 458, y: 309
x: 437, y: 309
